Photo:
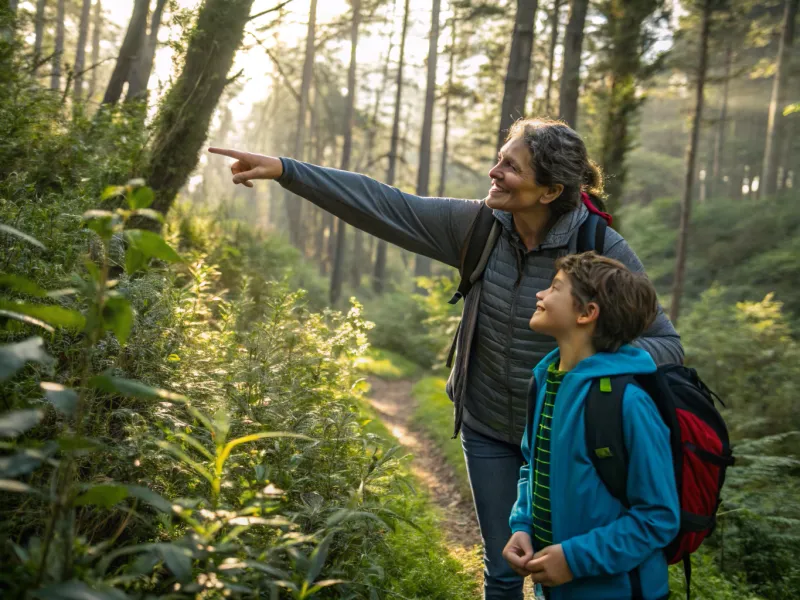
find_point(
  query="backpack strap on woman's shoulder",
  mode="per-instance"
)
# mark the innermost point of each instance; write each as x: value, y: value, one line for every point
x: 475, y: 250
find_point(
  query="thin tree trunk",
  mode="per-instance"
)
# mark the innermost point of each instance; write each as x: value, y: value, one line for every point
x: 379, y: 282
x: 337, y: 276
x: 80, y: 54
x: 182, y: 123
x: 691, y: 158
x: 447, y: 109
x: 519, y: 68
x: 571, y: 71
x: 97, y: 30
x: 422, y: 264
x: 769, y: 170
x: 554, y: 22
x: 38, y: 25
x: 294, y: 209
x: 719, y: 139
x: 129, y: 52
x: 58, y: 55
x: 142, y: 68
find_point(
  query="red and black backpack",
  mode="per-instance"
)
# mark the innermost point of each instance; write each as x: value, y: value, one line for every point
x: 701, y: 450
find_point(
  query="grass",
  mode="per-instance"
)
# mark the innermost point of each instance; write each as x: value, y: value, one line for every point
x: 434, y: 415
x: 387, y: 365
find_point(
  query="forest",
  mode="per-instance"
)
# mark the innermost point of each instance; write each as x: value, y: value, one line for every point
x: 219, y: 391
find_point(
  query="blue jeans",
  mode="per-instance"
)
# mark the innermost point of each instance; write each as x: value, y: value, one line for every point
x: 493, y: 467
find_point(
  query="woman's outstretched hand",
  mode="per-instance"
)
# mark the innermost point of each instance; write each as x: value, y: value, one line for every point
x: 250, y: 166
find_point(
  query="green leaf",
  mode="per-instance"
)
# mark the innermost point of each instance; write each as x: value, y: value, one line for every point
x: 132, y: 388
x: 15, y: 423
x: 141, y: 198
x: 152, y: 498
x: 26, y: 319
x: 14, y: 356
x: 152, y: 245
x: 23, y: 285
x: 177, y: 559
x: 23, y: 236
x: 134, y: 260
x: 10, y: 485
x: 100, y: 221
x: 105, y: 495
x: 79, y: 445
x: 112, y: 190
x: 318, y: 557
x: 77, y: 590
x: 118, y: 317
x: 49, y: 313
x: 186, y: 459
x: 150, y: 214
x: 18, y: 464
x: 63, y: 398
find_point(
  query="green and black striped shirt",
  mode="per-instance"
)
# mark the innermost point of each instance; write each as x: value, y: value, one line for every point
x: 540, y: 501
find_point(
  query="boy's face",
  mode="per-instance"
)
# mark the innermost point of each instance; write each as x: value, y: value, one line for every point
x: 556, y: 312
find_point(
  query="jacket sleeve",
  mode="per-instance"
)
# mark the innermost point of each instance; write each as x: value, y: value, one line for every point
x: 653, y: 519
x: 660, y: 340
x: 433, y: 227
x: 521, y: 518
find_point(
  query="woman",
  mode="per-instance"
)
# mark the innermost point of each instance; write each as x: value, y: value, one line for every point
x: 537, y: 186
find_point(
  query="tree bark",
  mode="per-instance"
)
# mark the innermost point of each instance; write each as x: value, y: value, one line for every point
x: 691, y: 158
x: 554, y: 21
x: 183, y: 121
x: 422, y: 264
x: 571, y: 71
x: 97, y: 30
x: 294, y: 209
x: 129, y: 52
x: 337, y: 276
x: 142, y: 68
x: 38, y: 26
x: 519, y: 68
x: 58, y: 55
x: 80, y: 54
x: 719, y: 138
x: 379, y: 283
x: 769, y: 170
x: 447, y: 110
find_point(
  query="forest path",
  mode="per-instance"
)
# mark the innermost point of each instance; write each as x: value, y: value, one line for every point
x: 395, y: 405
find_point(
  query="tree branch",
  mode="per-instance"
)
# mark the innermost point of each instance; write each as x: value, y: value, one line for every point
x: 270, y: 10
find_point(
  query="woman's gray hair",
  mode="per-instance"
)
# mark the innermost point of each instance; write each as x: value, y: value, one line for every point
x: 558, y: 155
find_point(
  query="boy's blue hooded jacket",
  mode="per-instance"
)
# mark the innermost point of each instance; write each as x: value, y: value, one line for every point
x: 603, y: 541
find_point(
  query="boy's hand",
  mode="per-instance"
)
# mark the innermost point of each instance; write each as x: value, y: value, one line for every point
x: 549, y: 567
x: 518, y: 551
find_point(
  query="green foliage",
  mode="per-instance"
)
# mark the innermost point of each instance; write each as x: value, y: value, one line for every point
x: 387, y: 365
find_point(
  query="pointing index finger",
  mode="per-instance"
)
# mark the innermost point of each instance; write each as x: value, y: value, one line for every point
x: 229, y: 152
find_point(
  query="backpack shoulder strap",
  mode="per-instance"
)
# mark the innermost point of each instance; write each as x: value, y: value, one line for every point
x: 472, y: 250
x: 592, y: 234
x: 605, y: 439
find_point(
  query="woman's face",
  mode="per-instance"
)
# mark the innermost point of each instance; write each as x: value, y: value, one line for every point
x: 514, y: 187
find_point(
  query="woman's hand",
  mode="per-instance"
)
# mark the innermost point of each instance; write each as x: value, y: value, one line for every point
x: 250, y: 166
x: 518, y: 552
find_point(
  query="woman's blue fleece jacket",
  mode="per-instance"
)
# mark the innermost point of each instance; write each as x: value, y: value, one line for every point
x: 602, y: 540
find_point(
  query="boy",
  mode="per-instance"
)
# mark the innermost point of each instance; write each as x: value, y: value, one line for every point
x: 569, y: 534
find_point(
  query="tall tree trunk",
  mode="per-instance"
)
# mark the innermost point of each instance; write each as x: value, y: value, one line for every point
x: 691, y: 158
x: 38, y: 26
x: 422, y: 264
x: 129, y: 52
x: 519, y: 68
x: 337, y: 275
x: 58, y: 55
x: 182, y: 122
x: 447, y: 109
x: 294, y: 209
x: 571, y: 70
x: 379, y: 283
x: 97, y: 31
x: 719, y: 138
x: 142, y: 68
x: 80, y: 54
x: 554, y: 22
x: 769, y: 170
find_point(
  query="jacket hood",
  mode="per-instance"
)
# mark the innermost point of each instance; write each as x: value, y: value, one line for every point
x: 628, y: 360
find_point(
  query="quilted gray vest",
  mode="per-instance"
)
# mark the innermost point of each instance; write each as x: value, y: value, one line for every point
x: 504, y: 349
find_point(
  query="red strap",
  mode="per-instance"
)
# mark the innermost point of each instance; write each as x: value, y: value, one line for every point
x: 593, y: 209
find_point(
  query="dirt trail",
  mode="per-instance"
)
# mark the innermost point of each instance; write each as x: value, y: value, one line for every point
x: 393, y: 402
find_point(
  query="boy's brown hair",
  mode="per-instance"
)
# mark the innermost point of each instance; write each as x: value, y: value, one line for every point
x: 628, y: 302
